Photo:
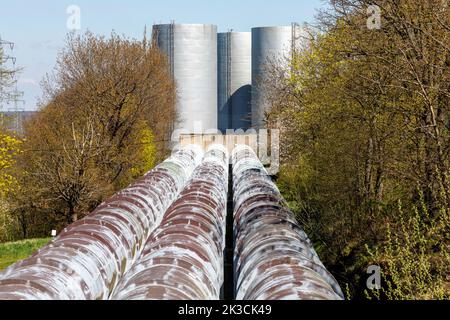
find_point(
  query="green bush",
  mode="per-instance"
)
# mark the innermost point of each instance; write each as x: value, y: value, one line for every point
x: 415, y: 259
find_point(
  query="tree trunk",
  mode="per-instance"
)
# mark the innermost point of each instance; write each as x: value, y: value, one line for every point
x: 368, y: 170
x: 73, y: 216
x: 23, y: 224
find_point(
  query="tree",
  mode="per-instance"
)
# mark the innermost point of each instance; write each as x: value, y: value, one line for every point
x: 104, y: 109
x: 412, y: 49
x: 10, y: 148
x: 9, y: 145
x: 364, y: 119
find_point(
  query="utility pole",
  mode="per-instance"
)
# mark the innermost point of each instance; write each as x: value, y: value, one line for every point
x: 6, y: 75
x: 296, y: 35
x: 14, y: 97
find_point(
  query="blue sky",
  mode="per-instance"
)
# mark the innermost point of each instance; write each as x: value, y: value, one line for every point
x: 39, y: 27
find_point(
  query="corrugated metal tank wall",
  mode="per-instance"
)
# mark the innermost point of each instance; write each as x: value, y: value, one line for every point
x: 192, y: 52
x: 268, y: 43
x: 234, y: 80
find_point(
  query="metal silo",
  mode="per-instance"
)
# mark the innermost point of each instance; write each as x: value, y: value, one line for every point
x: 234, y: 80
x: 192, y: 52
x: 268, y: 44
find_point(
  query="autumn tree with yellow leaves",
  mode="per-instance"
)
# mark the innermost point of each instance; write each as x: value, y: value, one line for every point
x: 104, y: 121
x: 9, y: 150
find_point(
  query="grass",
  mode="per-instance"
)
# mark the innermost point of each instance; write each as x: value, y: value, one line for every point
x: 12, y: 252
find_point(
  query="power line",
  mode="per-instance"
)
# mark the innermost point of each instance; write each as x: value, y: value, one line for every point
x: 16, y: 96
x: 97, y: 148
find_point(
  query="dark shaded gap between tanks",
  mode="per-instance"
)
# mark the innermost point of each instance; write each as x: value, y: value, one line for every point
x: 228, y: 286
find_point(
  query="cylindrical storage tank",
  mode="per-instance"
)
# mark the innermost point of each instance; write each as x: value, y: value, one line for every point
x: 192, y: 54
x: 268, y: 44
x: 234, y: 80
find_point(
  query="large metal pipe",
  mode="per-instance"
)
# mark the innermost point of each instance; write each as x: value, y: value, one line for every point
x: 274, y: 259
x: 88, y: 258
x: 183, y: 258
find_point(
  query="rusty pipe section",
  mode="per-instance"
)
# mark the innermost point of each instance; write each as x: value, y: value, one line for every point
x: 274, y: 259
x: 183, y: 258
x: 88, y: 258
